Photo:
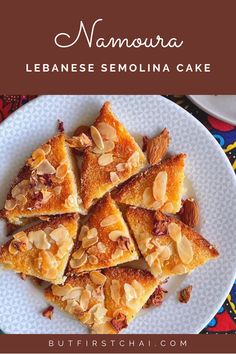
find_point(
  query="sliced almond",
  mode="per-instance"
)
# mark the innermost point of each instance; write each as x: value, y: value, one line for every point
x: 117, y: 254
x: 168, y: 207
x: 92, y: 250
x: 185, y: 250
x: 139, y: 289
x: 13, y: 247
x: 121, y: 167
x: 92, y: 259
x: 50, y: 273
x: 156, y: 268
x: 179, y: 269
x: 130, y: 292
x: 114, y: 177
x: 84, y: 299
x: 109, y: 220
x: 59, y: 235
x: 151, y: 257
x: 59, y: 290
x: 21, y: 200
x: 157, y: 147
x: 45, y: 168
x: 165, y: 253
x: 99, y: 311
x: 79, y: 253
x: 38, y: 157
x: 114, y: 235
x: 20, y: 188
x: 79, y: 142
x: 46, y: 196
x: 109, y: 146
x: 73, y: 294
x: 133, y: 160
x: 62, y: 170
x: 148, y: 198
x: 174, y: 231
x: 159, y: 186
x: 105, y: 159
x: 83, y: 232
x: 97, y: 138
x: 10, y: 204
x: 39, y: 239
x: 115, y: 290
x: 48, y: 261
x: 92, y: 233
x: 107, y: 131
x: 47, y: 148
x: 87, y: 242
x: 57, y: 190
x: 72, y: 306
x: 71, y: 201
x: 101, y: 247
x: 77, y: 263
x: 97, y: 278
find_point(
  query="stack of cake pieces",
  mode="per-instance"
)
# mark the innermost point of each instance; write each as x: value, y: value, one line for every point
x: 79, y: 225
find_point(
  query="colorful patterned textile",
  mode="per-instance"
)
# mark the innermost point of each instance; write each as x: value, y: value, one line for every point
x: 225, y: 320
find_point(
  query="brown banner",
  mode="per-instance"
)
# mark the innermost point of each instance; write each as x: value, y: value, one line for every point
x: 117, y: 344
x: 124, y: 46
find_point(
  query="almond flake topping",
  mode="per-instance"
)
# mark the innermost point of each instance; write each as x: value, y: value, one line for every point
x: 48, y: 263
x: 109, y: 146
x: 130, y: 292
x: 114, y: 235
x: 71, y: 201
x: 84, y: 299
x: 57, y: 190
x: 174, y: 231
x: 38, y: 157
x: 156, y: 268
x: 21, y: 200
x: 101, y: 247
x: 105, y: 159
x: 109, y: 220
x: 117, y: 254
x: 46, y: 196
x: 79, y: 253
x: 83, y: 232
x: 97, y: 277
x: 59, y: 235
x: 77, y: 263
x: 115, y: 290
x: 92, y: 259
x: 96, y: 136
x: 73, y: 294
x: 92, y: 233
x: 139, y: 289
x: 47, y: 148
x: 185, y: 250
x: 10, y: 204
x: 179, y: 269
x: 87, y: 242
x: 45, y: 168
x: 62, y: 170
x: 148, y: 198
x: 159, y: 186
x: 39, y: 239
x: 133, y: 160
x: 151, y: 257
x: 58, y: 290
x: 20, y: 188
x: 114, y: 177
x: 107, y: 131
x: 121, y: 167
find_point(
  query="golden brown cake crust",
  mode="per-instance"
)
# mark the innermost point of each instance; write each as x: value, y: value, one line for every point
x: 132, y: 191
x: 101, y: 210
x: 143, y: 223
x: 27, y: 262
x: 95, y: 179
x: 67, y: 186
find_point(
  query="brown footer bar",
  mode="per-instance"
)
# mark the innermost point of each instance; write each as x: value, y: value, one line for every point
x: 117, y: 344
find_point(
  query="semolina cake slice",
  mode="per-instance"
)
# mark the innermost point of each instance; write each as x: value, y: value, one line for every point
x: 112, y: 159
x: 42, y: 250
x: 160, y: 187
x: 126, y: 291
x: 106, y: 301
x: 168, y: 245
x: 46, y: 185
x: 104, y: 240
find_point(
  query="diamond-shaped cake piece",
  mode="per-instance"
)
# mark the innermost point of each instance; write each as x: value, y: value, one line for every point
x: 105, y: 301
x: 169, y: 246
x: 113, y: 158
x: 104, y: 240
x: 46, y: 185
x: 160, y: 187
x: 42, y: 250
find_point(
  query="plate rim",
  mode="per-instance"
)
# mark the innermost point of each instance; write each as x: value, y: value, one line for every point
x: 201, y: 126
x: 214, y: 114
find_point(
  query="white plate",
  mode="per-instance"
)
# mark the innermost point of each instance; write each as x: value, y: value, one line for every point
x: 219, y: 106
x: 213, y: 183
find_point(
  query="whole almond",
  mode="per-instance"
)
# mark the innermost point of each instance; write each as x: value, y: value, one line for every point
x: 190, y: 213
x: 157, y: 147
